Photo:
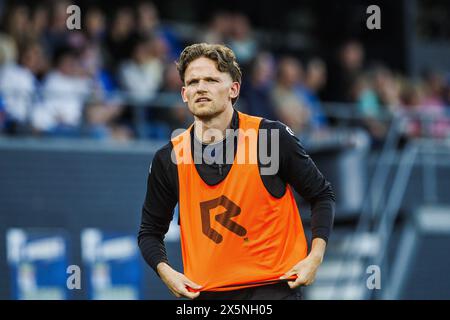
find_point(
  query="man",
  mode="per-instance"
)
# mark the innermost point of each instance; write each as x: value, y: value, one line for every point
x: 241, y: 232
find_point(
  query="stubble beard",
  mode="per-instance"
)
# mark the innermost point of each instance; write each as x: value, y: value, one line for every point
x: 206, y: 112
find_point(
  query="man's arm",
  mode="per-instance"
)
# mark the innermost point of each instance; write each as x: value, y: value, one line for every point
x: 157, y: 212
x: 298, y: 170
x: 306, y: 269
x: 177, y: 282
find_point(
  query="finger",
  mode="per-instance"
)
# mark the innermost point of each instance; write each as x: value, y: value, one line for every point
x: 179, y: 290
x: 173, y: 292
x: 192, y: 284
x: 311, y: 281
x: 298, y: 282
x: 191, y: 295
x: 288, y: 274
x: 291, y: 277
x: 294, y: 284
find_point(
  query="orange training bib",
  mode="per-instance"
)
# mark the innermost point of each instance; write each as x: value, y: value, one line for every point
x: 235, y: 234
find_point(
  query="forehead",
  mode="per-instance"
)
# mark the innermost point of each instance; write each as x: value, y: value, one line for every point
x: 203, y: 67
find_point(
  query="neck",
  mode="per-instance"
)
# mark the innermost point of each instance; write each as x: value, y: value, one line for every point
x: 213, y: 129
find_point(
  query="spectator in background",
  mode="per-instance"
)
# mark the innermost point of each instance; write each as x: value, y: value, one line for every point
x: 434, y: 106
x: 434, y: 85
x: 8, y: 49
x: 105, y: 107
x: 95, y: 25
x: 32, y: 57
x: 344, y: 72
x: 174, y: 111
x: 120, y: 38
x: 219, y: 28
x: 39, y: 23
x: 369, y: 109
x: 381, y: 95
x: 65, y: 91
x: 290, y: 104
x: 377, y: 95
x: 255, y: 91
x: 93, y: 55
x: 8, y: 53
x: 147, y: 18
x: 149, y: 25
x: 17, y: 24
x: 92, y: 64
x: 387, y: 88
x: 363, y: 93
x: 446, y: 94
x: 57, y: 34
x: 141, y: 75
x: 241, y: 40
x: 18, y: 84
x: 315, y: 80
x: 411, y: 98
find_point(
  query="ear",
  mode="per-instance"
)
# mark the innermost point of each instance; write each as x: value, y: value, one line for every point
x: 183, y: 94
x: 234, y: 90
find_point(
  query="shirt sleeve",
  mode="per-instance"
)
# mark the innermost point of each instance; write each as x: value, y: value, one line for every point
x: 157, y: 212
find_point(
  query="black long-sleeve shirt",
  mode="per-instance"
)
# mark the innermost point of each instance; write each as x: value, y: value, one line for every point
x: 295, y: 168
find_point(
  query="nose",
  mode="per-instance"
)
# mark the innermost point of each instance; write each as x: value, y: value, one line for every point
x: 202, y: 86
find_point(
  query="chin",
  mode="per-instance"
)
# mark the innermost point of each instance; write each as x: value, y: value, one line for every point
x: 205, y: 111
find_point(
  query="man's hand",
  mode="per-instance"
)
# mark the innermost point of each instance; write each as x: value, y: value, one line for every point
x: 307, y: 268
x: 177, y: 282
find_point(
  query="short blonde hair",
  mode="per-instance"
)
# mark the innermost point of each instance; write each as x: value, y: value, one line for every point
x: 223, y: 56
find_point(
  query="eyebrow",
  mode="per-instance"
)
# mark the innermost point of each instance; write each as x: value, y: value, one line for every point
x: 205, y: 78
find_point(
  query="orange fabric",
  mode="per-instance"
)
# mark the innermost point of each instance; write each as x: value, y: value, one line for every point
x: 235, y: 234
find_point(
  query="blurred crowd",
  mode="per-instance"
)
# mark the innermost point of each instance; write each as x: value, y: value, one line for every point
x: 379, y: 93
x: 115, y: 78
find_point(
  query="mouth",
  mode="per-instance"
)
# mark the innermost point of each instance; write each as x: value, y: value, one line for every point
x: 202, y: 99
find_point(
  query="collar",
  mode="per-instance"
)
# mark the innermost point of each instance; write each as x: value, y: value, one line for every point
x: 233, y: 125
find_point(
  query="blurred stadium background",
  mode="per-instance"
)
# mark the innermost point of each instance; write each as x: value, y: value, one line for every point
x: 83, y: 111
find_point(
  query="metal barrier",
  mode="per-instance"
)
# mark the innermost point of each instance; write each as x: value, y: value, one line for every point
x: 383, y: 203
